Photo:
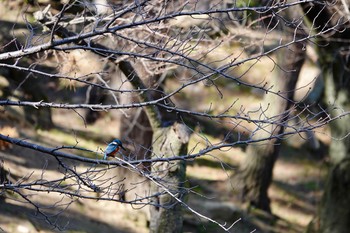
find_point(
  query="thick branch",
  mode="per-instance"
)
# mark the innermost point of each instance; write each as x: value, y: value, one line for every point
x: 51, y: 151
x: 152, y: 111
x: 239, y: 116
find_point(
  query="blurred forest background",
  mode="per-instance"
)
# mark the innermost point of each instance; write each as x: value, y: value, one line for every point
x: 234, y: 115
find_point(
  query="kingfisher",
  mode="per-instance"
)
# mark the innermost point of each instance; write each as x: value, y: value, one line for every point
x: 113, y: 148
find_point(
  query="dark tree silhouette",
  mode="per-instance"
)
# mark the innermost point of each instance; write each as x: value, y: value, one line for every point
x: 334, y: 62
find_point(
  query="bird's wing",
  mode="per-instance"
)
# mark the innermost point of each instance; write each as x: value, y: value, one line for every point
x: 110, y: 148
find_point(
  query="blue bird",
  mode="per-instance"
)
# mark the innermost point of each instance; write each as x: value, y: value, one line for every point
x: 113, y: 148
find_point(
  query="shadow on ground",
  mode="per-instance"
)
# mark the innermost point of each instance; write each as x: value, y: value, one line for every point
x: 13, y: 215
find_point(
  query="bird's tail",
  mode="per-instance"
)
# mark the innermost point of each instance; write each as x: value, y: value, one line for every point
x: 105, y: 156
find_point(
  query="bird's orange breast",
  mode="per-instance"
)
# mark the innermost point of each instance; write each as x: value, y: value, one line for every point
x: 112, y: 154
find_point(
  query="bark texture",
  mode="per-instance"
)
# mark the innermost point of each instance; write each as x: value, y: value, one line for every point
x: 255, y: 173
x: 167, y: 178
x: 166, y: 214
x: 335, y: 206
x: 334, y: 214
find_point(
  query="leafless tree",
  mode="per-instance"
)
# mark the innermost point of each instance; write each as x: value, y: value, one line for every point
x: 149, y: 54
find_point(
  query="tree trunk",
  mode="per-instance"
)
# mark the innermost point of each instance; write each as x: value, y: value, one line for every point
x: 167, y: 178
x: 334, y: 215
x: 335, y: 206
x: 166, y: 211
x: 255, y: 174
x: 136, y: 128
x: 3, y: 180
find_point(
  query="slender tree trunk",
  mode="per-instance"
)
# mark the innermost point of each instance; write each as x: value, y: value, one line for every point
x: 255, y: 174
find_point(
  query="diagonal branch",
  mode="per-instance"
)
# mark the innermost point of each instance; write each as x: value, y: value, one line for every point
x: 152, y: 111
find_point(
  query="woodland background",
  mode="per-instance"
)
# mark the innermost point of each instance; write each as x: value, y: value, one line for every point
x: 234, y: 115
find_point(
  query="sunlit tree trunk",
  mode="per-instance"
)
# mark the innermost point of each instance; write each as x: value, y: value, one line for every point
x: 166, y: 214
x: 255, y: 173
x: 166, y: 179
x: 135, y: 127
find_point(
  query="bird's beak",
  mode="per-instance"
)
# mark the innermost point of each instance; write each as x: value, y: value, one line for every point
x: 122, y: 147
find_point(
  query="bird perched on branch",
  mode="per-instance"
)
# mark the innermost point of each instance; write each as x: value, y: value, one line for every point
x: 113, y: 148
